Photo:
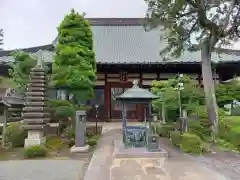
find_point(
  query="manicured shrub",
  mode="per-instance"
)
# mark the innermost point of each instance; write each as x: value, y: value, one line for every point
x: 202, y: 128
x: 54, y: 143
x: 92, y: 141
x: 234, y: 136
x: 236, y: 111
x: 175, y: 137
x: 65, y: 111
x: 191, y: 143
x: 201, y: 112
x: 35, y: 151
x: 165, y: 129
x: 16, y: 135
x: 58, y: 103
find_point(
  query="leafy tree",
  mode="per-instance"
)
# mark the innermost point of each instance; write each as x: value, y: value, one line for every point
x: 196, y: 25
x: 227, y: 92
x: 191, y: 95
x: 20, y: 69
x: 74, y: 67
x: 1, y: 38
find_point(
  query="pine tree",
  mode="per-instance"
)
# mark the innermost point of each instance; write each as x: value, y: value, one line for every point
x: 197, y: 25
x: 74, y: 67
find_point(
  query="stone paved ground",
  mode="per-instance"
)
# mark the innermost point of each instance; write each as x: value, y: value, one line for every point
x: 177, y: 167
x: 225, y: 163
x: 41, y: 169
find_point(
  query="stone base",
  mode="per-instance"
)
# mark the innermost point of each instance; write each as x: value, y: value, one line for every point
x: 34, y: 138
x: 75, y: 149
x: 121, y: 152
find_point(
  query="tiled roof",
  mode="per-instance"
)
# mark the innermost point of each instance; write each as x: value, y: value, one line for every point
x: 124, y: 41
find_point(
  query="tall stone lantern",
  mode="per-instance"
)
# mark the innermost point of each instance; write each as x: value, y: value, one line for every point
x: 35, y: 113
x: 137, y: 136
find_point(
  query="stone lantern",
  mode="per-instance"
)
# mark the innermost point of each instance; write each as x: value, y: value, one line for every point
x: 137, y: 136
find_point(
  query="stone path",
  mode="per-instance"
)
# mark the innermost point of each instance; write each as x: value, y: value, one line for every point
x: 41, y: 170
x: 104, y: 166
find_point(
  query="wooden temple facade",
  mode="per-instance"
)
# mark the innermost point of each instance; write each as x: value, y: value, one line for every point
x: 125, y: 52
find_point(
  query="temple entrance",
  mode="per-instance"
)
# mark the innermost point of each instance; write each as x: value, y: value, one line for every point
x: 132, y: 110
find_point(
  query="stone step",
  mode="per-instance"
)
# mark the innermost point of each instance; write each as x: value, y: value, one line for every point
x: 39, y: 104
x: 32, y: 81
x: 35, y: 109
x: 38, y: 76
x: 33, y: 89
x: 34, y: 94
x: 35, y: 114
x: 38, y: 70
x: 36, y: 98
x: 36, y: 85
x: 36, y: 120
x: 37, y: 73
x: 33, y: 127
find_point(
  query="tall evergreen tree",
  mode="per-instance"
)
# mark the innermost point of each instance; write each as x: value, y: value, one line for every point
x: 197, y: 25
x: 74, y: 67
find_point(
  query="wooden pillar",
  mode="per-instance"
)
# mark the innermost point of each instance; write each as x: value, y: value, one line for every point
x: 139, y: 108
x: 200, y: 79
x: 107, y: 98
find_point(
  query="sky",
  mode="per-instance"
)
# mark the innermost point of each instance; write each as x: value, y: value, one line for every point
x: 28, y: 23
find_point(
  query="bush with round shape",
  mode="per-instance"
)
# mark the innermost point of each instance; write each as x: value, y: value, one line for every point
x: 233, y: 137
x: 64, y: 112
x: 200, y: 128
x: 175, y: 137
x: 236, y: 111
x: 35, y: 151
x: 191, y: 143
x: 16, y: 135
x: 92, y: 141
x: 165, y: 129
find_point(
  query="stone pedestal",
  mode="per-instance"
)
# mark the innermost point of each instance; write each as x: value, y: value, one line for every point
x: 34, y: 138
x: 80, y: 139
x: 76, y: 149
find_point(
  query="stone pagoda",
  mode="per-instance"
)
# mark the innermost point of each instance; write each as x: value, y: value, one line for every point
x: 35, y: 113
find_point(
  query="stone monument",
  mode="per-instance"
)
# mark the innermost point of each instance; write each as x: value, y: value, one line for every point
x: 35, y: 113
x: 80, y: 139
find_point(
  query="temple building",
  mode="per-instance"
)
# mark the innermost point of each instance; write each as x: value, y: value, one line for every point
x: 126, y: 52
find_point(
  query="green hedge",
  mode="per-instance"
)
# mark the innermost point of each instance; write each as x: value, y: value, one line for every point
x: 16, y: 135
x: 236, y: 111
x: 175, y: 137
x: 165, y: 129
x: 35, y: 151
x: 202, y: 128
x: 191, y: 143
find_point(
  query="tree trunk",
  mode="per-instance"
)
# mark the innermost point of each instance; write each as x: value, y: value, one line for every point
x: 209, y: 89
x: 163, y: 114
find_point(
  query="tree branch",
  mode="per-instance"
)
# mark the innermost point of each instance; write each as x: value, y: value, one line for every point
x: 188, y: 13
x: 234, y: 26
x: 226, y: 20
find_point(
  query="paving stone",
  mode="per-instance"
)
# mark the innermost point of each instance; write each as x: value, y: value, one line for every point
x: 41, y: 170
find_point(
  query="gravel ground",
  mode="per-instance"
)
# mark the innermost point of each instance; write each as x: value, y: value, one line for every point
x: 41, y: 169
x: 226, y: 163
x: 230, y: 167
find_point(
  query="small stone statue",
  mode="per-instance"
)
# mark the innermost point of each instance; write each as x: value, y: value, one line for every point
x: 40, y: 60
x: 135, y: 83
